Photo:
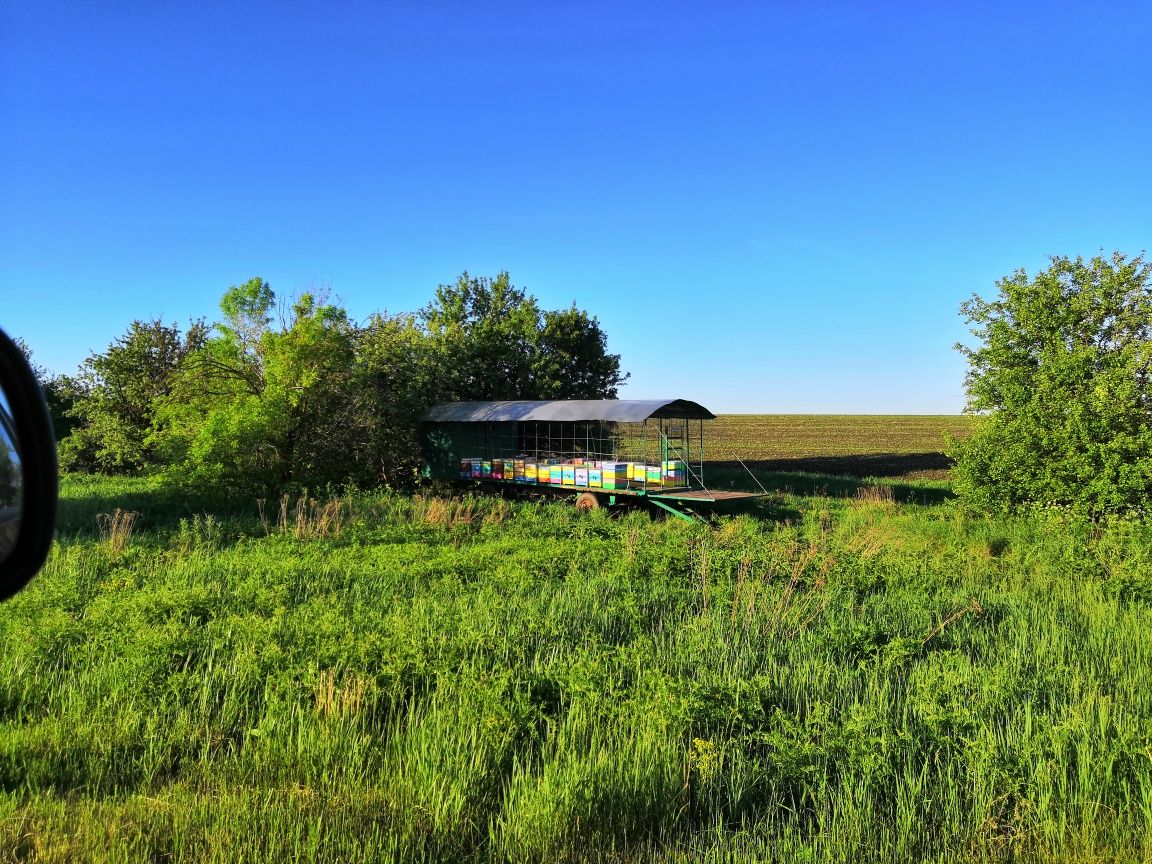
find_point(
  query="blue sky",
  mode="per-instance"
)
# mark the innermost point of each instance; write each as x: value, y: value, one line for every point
x: 771, y: 207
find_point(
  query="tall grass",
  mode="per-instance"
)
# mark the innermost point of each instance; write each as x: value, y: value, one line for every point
x: 406, y: 679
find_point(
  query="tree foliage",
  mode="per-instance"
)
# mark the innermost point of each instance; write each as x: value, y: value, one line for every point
x: 494, y: 342
x: 59, y: 391
x: 257, y: 408
x: 276, y: 396
x: 114, y: 397
x: 1062, y: 373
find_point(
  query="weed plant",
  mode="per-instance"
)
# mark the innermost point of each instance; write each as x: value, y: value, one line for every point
x: 386, y: 678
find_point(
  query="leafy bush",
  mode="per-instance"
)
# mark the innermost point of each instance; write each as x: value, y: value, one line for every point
x: 1063, y: 377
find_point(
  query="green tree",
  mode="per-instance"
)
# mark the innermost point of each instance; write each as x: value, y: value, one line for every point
x: 59, y: 391
x: 398, y: 375
x: 255, y: 408
x: 317, y: 400
x: 1061, y: 375
x: 494, y: 342
x: 115, y: 394
x: 571, y: 359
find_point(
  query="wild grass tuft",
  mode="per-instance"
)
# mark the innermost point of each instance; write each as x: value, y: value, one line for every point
x: 116, y: 530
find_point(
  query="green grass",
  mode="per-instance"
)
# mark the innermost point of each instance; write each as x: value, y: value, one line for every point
x: 825, y: 679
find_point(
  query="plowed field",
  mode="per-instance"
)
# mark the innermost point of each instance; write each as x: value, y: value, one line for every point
x: 865, y: 444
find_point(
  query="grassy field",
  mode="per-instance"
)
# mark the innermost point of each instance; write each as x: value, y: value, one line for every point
x: 414, y: 679
x: 906, y: 446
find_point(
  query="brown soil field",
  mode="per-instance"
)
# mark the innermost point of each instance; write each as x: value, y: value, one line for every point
x: 898, y: 445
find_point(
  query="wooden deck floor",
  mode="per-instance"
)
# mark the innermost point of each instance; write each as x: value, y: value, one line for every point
x: 705, y: 495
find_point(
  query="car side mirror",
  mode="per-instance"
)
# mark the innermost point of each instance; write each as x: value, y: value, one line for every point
x: 29, y: 477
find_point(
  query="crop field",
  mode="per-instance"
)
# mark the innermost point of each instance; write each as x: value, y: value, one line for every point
x: 862, y: 445
x: 389, y: 678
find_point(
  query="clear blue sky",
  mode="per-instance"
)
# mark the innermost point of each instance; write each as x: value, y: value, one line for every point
x: 771, y: 207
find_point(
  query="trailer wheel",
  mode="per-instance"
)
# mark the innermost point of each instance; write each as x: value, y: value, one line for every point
x: 587, y: 501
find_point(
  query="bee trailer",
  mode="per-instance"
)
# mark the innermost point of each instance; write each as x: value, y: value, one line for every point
x: 600, y: 451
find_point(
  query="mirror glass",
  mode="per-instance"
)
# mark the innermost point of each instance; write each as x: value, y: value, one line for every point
x: 10, y: 482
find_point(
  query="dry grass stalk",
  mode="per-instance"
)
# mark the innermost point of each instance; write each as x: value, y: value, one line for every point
x: 310, y: 519
x: 704, y: 577
x: 738, y: 591
x: 339, y: 700
x: 446, y: 513
x: 116, y: 529
x: 797, y: 608
x: 499, y: 512
x: 973, y: 608
x: 877, y: 496
x: 875, y: 538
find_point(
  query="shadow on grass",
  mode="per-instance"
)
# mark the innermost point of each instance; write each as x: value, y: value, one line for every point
x: 160, y: 509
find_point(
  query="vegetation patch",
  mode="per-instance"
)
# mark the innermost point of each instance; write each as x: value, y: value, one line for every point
x: 467, y: 679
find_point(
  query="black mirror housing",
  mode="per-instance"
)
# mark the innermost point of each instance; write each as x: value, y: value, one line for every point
x: 39, y: 481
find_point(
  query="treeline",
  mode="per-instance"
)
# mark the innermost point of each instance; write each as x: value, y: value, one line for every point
x: 296, y: 394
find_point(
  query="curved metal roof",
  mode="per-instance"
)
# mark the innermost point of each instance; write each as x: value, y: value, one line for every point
x: 621, y: 410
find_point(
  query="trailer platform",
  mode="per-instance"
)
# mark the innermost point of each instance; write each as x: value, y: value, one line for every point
x: 708, y: 496
x: 684, y: 503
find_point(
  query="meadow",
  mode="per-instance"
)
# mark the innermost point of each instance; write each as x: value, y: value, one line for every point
x: 829, y: 677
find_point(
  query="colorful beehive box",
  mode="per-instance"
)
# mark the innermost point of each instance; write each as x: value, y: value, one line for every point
x: 497, y: 469
x: 486, y: 469
x: 568, y: 475
x: 614, y: 475
x: 555, y: 474
x: 581, y: 476
x: 596, y: 478
x: 528, y: 475
x: 518, y: 468
x: 477, y: 467
x: 654, y: 476
x: 674, y: 472
x: 542, y: 474
x: 465, y: 467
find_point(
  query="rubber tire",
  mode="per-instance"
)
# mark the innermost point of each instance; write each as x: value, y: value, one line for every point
x: 587, y: 501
